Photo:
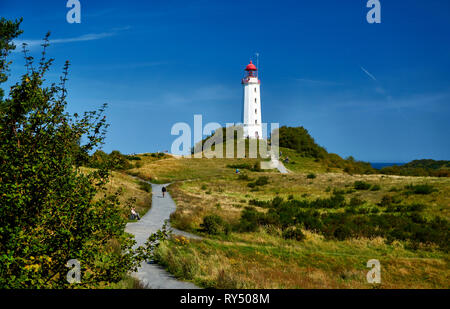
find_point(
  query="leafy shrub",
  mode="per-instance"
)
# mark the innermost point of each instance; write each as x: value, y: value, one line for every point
x: 386, y: 200
x: 214, y: 225
x: 397, y: 223
x: 133, y: 158
x: 420, y: 189
x: 299, y: 140
x: 311, y: 176
x: 342, y: 232
x: 261, y: 181
x: 250, y: 220
x: 258, y: 203
x: 115, y: 160
x: 241, y: 166
x: 425, y: 167
x: 49, y: 212
x: 361, y: 185
x: 293, y: 232
x: 246, y: 166
x: 416, y: 207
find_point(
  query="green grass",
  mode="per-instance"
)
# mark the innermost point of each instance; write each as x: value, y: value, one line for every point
x: 263, y: 259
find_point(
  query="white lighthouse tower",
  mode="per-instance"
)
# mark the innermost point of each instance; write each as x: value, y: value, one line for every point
x: 252, y: 103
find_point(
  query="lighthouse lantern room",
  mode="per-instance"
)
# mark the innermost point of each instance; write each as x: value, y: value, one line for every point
x: 252, y: 103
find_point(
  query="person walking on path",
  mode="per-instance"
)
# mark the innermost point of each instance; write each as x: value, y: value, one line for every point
x: 164, y: 191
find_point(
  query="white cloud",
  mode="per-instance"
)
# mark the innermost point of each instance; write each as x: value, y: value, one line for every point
x: 82, y: 38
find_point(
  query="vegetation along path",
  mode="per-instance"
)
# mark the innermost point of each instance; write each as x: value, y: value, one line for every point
x: 152, y: 275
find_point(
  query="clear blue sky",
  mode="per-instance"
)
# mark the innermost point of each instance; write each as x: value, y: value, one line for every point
x: 379, y: 92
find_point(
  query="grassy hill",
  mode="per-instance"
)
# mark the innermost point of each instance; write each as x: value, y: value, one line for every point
x: 264, y: 257
x: 315, y: 227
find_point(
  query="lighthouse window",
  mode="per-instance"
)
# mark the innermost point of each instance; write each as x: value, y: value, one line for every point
x: 255, y: 89
x: 256, y: 111
x: 255, y: 100
x: 256, y: 121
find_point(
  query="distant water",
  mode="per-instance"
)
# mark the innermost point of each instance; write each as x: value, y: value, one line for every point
x: 381, y: 165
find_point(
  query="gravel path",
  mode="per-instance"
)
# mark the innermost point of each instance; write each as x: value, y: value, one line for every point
x: 278, y: 164
x: 152, y: 275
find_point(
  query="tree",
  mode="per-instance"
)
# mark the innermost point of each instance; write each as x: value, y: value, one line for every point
x: 300, y: 140
x: 48, y: 214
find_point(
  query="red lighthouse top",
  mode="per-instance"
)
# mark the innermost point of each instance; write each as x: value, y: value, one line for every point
x: 251, y: 67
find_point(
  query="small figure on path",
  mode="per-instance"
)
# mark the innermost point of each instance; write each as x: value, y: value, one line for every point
x: 134, y: 214
x: 164, y: 191
x: 237, y: 171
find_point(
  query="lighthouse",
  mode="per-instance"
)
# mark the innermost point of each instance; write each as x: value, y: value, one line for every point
x: 252, y: 103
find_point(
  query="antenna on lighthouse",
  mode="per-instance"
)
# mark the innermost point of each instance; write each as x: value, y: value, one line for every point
x: 257, y: 64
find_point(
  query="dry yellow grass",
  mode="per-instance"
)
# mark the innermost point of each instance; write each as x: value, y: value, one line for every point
x: 263, y: 259
x: 129, y: 189
x: 314, y: 263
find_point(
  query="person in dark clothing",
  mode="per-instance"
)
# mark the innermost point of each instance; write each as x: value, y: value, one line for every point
x: 135, y: 214
x: 164, y: 191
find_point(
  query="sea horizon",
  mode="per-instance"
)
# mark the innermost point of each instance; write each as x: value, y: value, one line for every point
x: 380, y: 165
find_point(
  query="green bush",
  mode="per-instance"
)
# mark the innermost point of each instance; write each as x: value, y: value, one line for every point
x: 293, y: 232
x: 214, y: 225
x: 299, y: 139
x: 115, y: 160
x: 398, y: 222
x: 49, y: 209
x: 261, y: 181
x: 361, y: 185
x: 250, y: 220
x: 420, y: 189
x: 311, y: 176
x: 246, y: 166
x: 386, y: 200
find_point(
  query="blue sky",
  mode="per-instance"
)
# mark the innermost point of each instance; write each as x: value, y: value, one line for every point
x: 378, y: 92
